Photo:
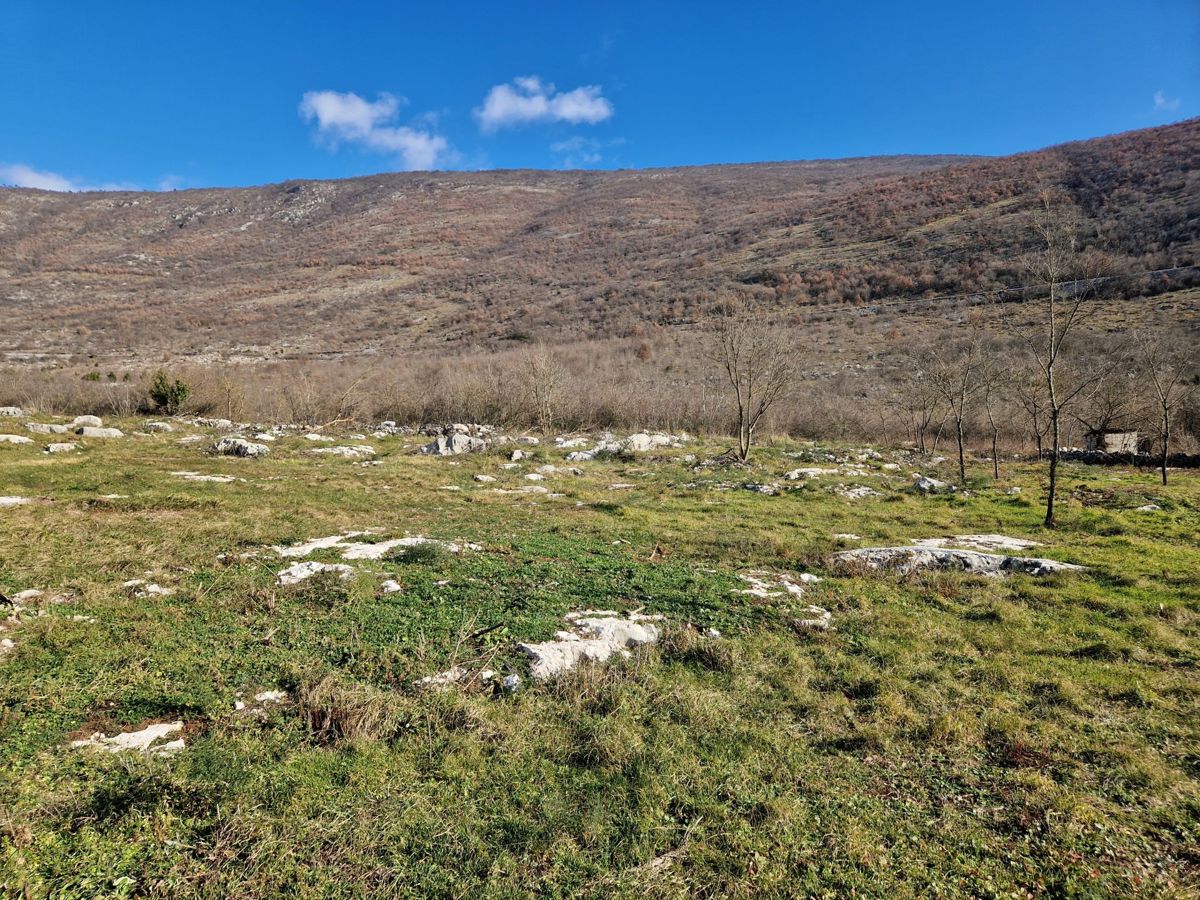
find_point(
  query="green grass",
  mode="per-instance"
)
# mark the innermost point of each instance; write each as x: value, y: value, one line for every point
x: 951, y: 736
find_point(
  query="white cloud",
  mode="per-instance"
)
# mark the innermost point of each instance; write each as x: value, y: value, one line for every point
x: 29, y: 177
x: 529, y: 99
x: 21, y: 175
x: 348, y: 118
x: 578, y: 152
x: 1162, y: 103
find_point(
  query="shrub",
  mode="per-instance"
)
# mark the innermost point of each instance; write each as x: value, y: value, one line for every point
x: 168, y: 396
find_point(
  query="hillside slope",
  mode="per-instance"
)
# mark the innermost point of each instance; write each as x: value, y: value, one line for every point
x: 403, y: 262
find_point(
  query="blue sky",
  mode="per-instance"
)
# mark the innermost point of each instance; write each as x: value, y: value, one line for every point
x: 164, y: 94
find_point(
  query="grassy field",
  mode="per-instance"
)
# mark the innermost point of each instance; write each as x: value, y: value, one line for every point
x: 950, y: 735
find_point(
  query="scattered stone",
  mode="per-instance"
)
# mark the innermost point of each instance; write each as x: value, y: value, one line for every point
x: 594, y: 635
x: 302, y: 571
x: 11, y: 411
x: 217, y: 424
x: 847, y: 536
x: 511, y: 683
x: 927, y: 485
x: 15, y: 439
x: 443, y: 679
x: 857, y: 492
x: 65, y: 447
x: 86, y: 422
x: 485, y: 479
x: 160, y: 427
x: 390, y: 586
x: 197, y: 476
x: 565, y: 443
x: 265, y: 436
x: 814, y: 472
x: 819, y: 619
x: 771, y: 490
x: 535, y: 476
x: 768, y: 585
x: 13, y: 501
x: 621, y: 486
x: 147, y: 740
x: 353, y: 451
x: 143, y: 589
x: 240, y: 447
x: 1149, y: 507
x: 1013, y: 491
x: 909, y: 559
x: 517, y: 456
x: 313, y: 436
x: 44, y: 428
x: 89, y: 431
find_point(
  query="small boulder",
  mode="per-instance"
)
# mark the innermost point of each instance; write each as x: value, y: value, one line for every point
x: 11, y: 411
x: 90, y: 431
x: 926, y: 485
x: 14, y: 439
x: 235, y: 446
x: 160, y: 427
x: 44, y: 428
x: 86, y: 421
x: 65, y: 447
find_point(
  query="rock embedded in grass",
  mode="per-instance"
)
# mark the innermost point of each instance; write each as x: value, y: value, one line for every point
x: 15, y: 439
x: 302, y: 571
x: 86, y: 422
x: 89, y: 431
x: 595, y: 636
x: 350, y: 451
x: 984, y: 542
x: 147, y: 740
x: 240, y: 447
x: 910, y: 559
x: 926, y: 485
x: 13, y: 501
x: 46, y: 428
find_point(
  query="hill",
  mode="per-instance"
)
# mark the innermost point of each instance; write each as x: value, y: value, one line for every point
x: 404, y: 263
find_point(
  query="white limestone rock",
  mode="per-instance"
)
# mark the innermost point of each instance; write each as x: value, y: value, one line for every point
x: 594, y: 635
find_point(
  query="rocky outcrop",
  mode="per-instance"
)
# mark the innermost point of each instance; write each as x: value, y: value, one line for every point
x: 90, y: 431
x: 453, y: 440
x: 909, y: 559
x: 235, y: 446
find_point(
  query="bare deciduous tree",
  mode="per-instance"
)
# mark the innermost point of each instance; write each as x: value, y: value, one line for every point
x: 1065, y: 278
x: 997, y: 383
x: 921, y: 403
x: 543, y: 381
x: 1170, y: 368
x: 756, y: 358
x: 956, y: 373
